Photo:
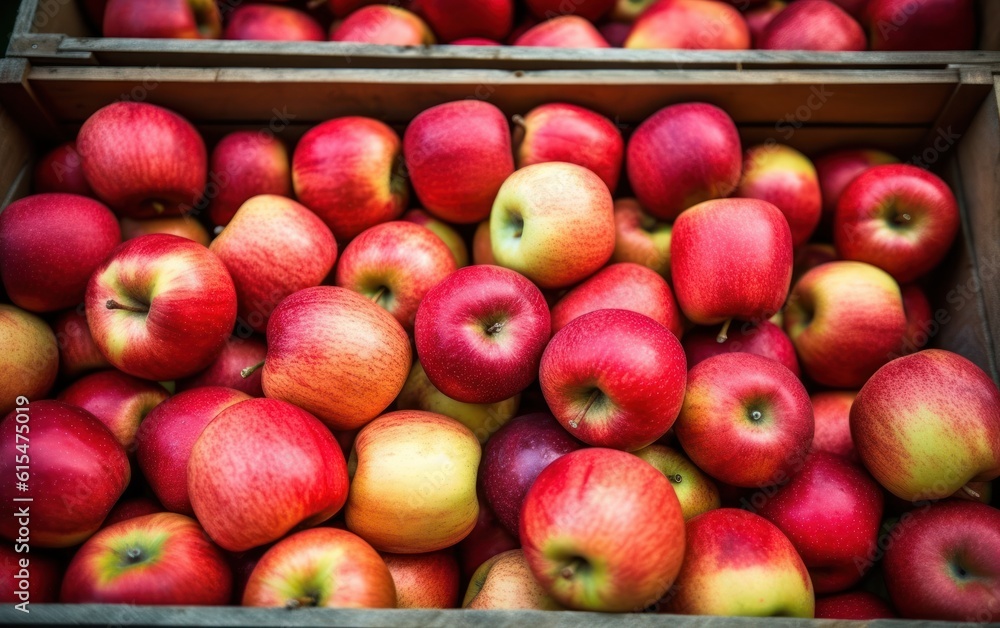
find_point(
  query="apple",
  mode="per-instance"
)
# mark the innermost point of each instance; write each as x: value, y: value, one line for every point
x: 395, y: 264
x: 927, y: 424
x: 480, y: 334
x: 29, y: 361
x: 690, y: 24
x: 78, y: 471
x: 768, y: 579
x: 28, y: 577
x: 245, y: 164
x: 898, y: 217
x: 505, y: 582
x: 324, y: 567
x: 641, y: 238
x: 447, y: 233
x: 475, y: 41
x: 132, y: 508
x: 487, y: 539
x: 78, y: 354
x: 837, y: 169
x: 786, y: 178
x: 695, y: 491
x: 571, y: 134
x: 564, y: 31
x: 811, y: 255
x: 383, y: 25
x: 482, y: 248
x: 458, y: 155
x: 682, y: 155
x: 615, y: 33
x: 160, y: 559
x: 335, y: 354
x: 183, y: 226
x: 514, y: 457
x: 630, y: 10
x: 919, y: 318
x: 484, y: 419
x: 832, y: 414
x: 174, y: 19
x: 142, y: 160
x: 857, y: 605
x: 413, y: 482
x: 61, y: 170
x: 349, y: 171
x: 592, y: 10
x: 167, y: 436
x: 614, y: 378
x: 226, y: 370
x: 50, y: 244
x: 759, y: 17
x: 927, y: 25
x: 458, y: 19
x: 603, y: 531
x: 424, y: 580
x: 846, y: 320
x: 944, y: 563
x: 764, y: 339
x: 266, y: 22
x: 343, y: 8
x: 813, y: 25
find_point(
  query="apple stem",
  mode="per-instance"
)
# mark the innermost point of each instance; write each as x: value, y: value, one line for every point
x: 971, y: 493
x: 570, y: 570
x: 519, y: 120
x: 378, y: 295
x: 248, y: 371
x: 158, y: 207
x: 575, y: 423
x: 115, y: 305
x: 724, y: 334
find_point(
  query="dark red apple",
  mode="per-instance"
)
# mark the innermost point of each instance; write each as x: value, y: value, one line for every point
x: 764, y: 339
x: 61, y: 170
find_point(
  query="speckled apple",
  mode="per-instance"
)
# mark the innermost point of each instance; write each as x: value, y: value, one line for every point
x: 695, y: 491
x: 813, y: 25
x: 832, y: 415
x: 785, y: 178
x: 29, y: 362
x: 270, y: 23
x: 764, y: 339
x: 383, y: 25
x: 505, y: 582
x: 428, y: 580
x: 640, y: 238
x: 690, y: 24
x: 245, y: 164
x: 564, y: 31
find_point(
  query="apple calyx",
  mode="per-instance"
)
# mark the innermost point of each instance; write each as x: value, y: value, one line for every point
x: 676, y: 478
x: 111, y: 304
x: 303, y: 601
x: 575, y: 423
x: 571, y: 569
x: 756, y: 416
x: 134, y: 555
x: 248, y: 371
x: 724, y: 334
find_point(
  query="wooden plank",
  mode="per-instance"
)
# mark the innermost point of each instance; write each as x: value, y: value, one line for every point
x: 19, y: 100
x: 990, y: 25
x: 60, y: 17
x: 18, y: 155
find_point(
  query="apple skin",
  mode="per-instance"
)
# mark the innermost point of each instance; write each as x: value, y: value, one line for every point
x: 505, y: 582
x: 603, y: 531
x: 183, y: 226
x: 837, y: 169
x: 929, y: 25
x: 237, y: 354
x: 898, y: 217
x: 457, y: 19
x: 175, y: 564
x: 482, y: 248
x: 919, y: 318
x: 832, y: 414
x: 787, y: 179
x: 335, y: 354
x: 50, y: 244
x: 629, y: 10
x: 764, y: 339
x: 475, y: 41
x: 167, y: 436
x: 29, y: 362
x: 72, y: 494
x: 447, y: 233
x: 263, y: 22
x: 858, y: 605
x: 395, y: 264
x: 570, y: 134
x: 695, y: 491
x: 564, y: 31
x: 293, y: 473
x: 132, y: 508
x: 119, y: 401
x: 690, y: 24
x: 615, y: 33
x: 944, y: 563
x: 720, y: 273
x: 480, y: 334
x: 413, y: 482
x: 682, y: 155
x: 927, y: 424
x: 831, y: 511
x: 61, y: 170
x: 739, y: 563
x: 164, y: 174
x: 514, y: 457
x: 487, y: 539
x: 383, y: 25
x: 245, y: 164
x: 171, y: 19
x: 78, y: 353
x: 719, y: 426
x: 813, y: 25
x: 39, y: 573
x: 591, y: 10
x: 458, y: 155
x: 640, y: 238
x: 846, y: 320
x: 759, y: 17
x: 554, y: 223
x: 424, y: 580
x: 811, y: 255
x: 348, y: 171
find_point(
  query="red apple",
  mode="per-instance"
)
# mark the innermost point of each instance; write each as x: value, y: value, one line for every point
x: 764, y: 339
x: 132, y: 508
x: 564, y: 31
x: 695, y: 491
x: 174, y: 19
x: 592, y: 10
x: 857, y: 605
x: 785, y: 178
x: 759, y: 17
x: 482, y: 248
x: 919, y: 319
x: 28, y: 577
x: 29, y: 362
x: 810, y: 256
x: 505, y: 582
x: 926, y: 25
x: 246, y: 164
x: 237, y: 354
x: 615, y: 33
x: 832, y: 414
x: 641, y: 238
x: 384, y: 25
x: 61, y: 170
x: 183, y: 226
x: 813, y: 25
x: 487, y: 539
x: 443, y: 230
x: 837, y: 169
x: 690, y: 24
x: 460, y: 20
x: 475, y: 41
x: 78, y: 353
x: 424, y: 580
x: 265, y: 22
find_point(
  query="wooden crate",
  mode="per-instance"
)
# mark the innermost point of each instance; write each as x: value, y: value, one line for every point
x: 53, y: 32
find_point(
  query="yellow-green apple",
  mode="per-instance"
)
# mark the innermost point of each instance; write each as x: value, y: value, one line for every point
x: 424, y: 580
x: 592, y: 10
x: 167, y: 436
x: 629, y: 10
x: 119, y: 401
x: 571, y: 134
x: 759, y: 17
x: 695, y: 491
x: 272, y: 23
x: 292, y: 473
x: 857, y: 605
x: 31, y: 577
x: 720, y: 273
x: 831, y: 511
x: 554, y: 223
x: 746, y: 420
x: 682, y: 155
x: 563, y: 31
x: 505, y: 582
x: 29, y: 361
x: 61, y: 170
x: 161, y: 307
x: 164, y: 174
x: 484, y: 419
x: 621, y: 286
x: 245, y: 164
x: 785, y: 178
x: 395, y: 264
x: 163, y: 559
x: 837, y: 169
x: 323, y: 567
x: 413, y: 482
x: 458, y: 155
x: 811, y: 255
x: 614, y: 378
x: 480, y: 334
x: 78, y: 354
x: 898, y: 217
x: 335, y: 354
x: 641, y: 238
x: 383, y: 25
x: 77, y: 473
x: 487, y: 539
x: 832, y: 415
x: 764, y: 339
x: 926, y: 25
x: 514, y: 457
x: 349, y: 171
x: 132, y: 508
x: 738, y: 563
x: 183, y: 226
x: 927, y: 424
x: 458, y: 19
x: 690, y: 24
x: 603, y: 531
x: 50, y: 244
x: 813, y: 25
x: 482, y: 248
x: 454, y: 240
x: 944, y: 563
x: 920, y: 322
x: 172, y: 19
x: 226, y: 370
